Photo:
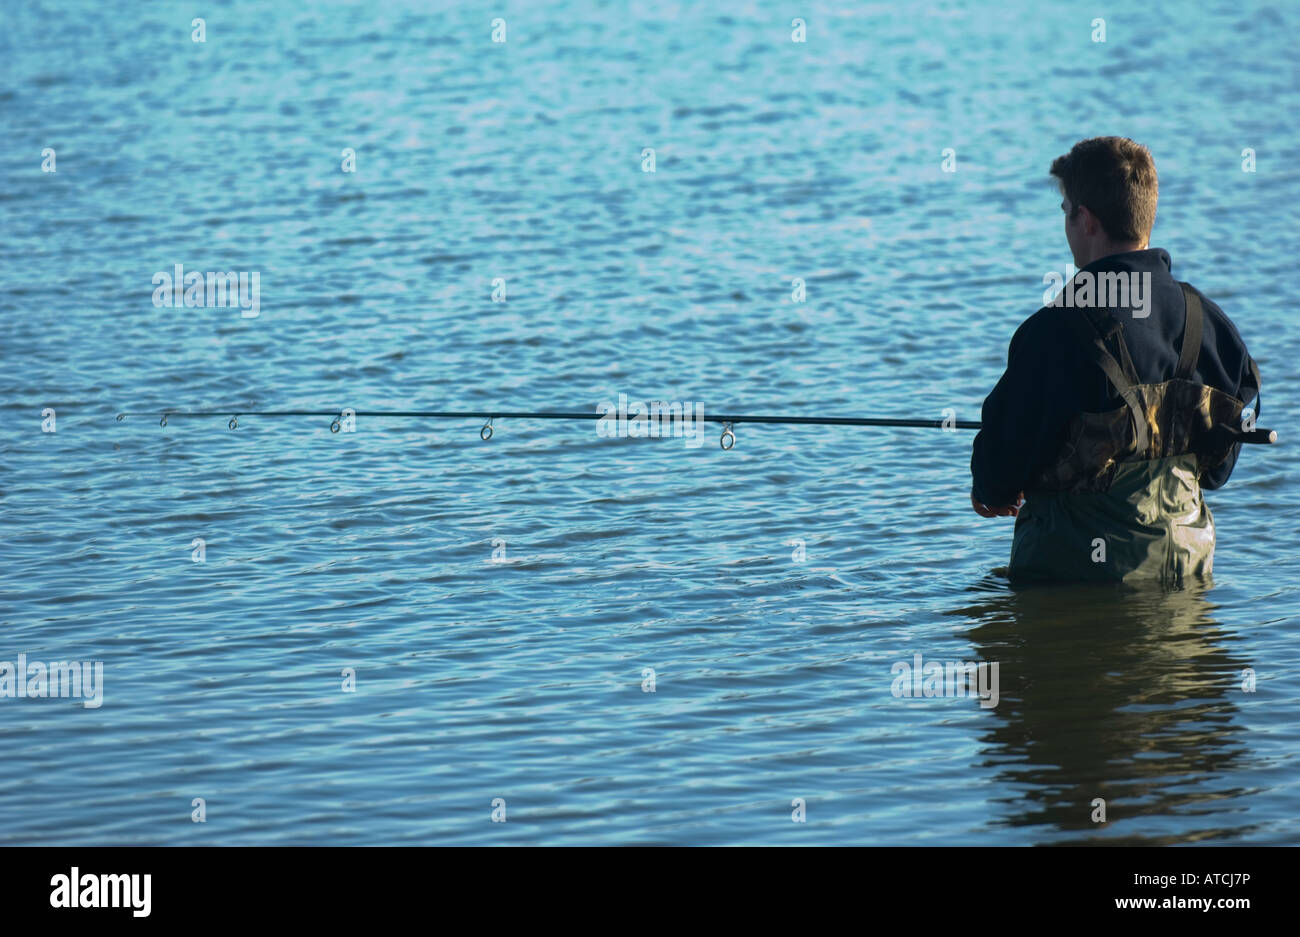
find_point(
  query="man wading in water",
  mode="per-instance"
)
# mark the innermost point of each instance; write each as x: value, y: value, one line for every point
x: 1121, y: 400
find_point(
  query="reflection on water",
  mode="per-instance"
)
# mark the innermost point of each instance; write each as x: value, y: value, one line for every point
x: 1113, y: 693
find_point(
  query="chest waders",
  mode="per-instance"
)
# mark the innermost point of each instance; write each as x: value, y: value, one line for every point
x: 1122, y: 501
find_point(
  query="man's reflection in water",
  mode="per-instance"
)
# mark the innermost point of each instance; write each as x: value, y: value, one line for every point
x: 1114, y: 693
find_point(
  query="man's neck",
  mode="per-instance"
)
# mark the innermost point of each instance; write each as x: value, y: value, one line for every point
x: 1109, y: 250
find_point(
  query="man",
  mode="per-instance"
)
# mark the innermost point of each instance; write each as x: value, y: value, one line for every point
x: 1121, y: 400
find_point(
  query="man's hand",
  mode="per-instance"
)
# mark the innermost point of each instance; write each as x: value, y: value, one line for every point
x: 1007, y: 510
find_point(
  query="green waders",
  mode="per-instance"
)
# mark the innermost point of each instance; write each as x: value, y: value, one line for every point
x: 1122, y: 502
x: 1152, y: 524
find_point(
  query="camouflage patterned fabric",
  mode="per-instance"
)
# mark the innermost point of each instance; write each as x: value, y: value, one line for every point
x: 1180, y: 416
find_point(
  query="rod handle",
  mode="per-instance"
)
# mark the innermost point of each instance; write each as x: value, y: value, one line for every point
x: 1235, y: 434
x: 1263, y: 436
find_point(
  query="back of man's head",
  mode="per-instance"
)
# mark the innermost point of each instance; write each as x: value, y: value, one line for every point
x: 1115, y: 178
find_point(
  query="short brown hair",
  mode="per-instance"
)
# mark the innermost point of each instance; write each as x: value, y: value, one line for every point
x: 1116, y: 178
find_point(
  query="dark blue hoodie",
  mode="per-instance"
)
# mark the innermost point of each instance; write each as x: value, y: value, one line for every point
x: 1049, y: 378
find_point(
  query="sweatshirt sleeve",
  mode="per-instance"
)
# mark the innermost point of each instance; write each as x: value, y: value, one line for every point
x: 1248, y: 391
x: 1025, y: 415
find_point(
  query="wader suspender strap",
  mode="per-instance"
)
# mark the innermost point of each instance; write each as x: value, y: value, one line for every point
x: 1190, y: 352
x: 1192, y: 340
x: 1122, y: 379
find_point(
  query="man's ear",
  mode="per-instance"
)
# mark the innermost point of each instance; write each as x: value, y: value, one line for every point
x: 1091, y: 226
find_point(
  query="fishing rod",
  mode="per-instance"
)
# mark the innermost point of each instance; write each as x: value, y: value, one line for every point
x: 656, y: 416
x: 659, y: 417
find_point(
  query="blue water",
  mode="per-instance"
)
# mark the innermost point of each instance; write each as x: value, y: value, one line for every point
x: 520, y: 677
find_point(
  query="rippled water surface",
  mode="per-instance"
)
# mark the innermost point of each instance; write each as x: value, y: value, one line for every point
x: 522, y: 678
